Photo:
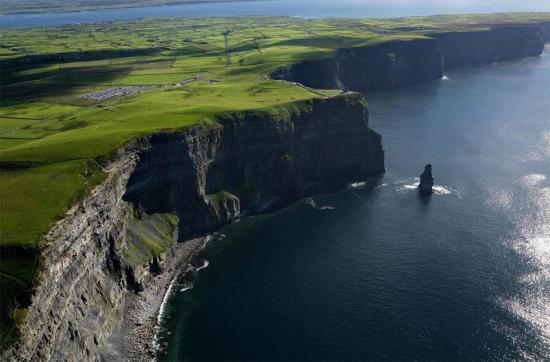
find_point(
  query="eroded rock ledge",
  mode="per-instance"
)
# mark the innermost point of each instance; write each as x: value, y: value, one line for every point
x: 170, y: 186
x: 399, y: 63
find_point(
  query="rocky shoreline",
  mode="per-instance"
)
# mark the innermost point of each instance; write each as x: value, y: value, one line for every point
x: 106, y: 266
x: 133, y: 340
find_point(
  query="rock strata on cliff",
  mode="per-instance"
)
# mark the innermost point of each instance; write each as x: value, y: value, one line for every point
x: 485, y: 47
x: 172, y: 185
x: 384, y: 66
x: 208, y: 175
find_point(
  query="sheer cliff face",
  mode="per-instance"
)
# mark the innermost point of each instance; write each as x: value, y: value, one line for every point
x: 396, y: 64
x: 390, y: 65
x: 254, y: 160
x: 384, y: 66
x: 483, y: 47
x: 202, y: 178
x: 545, y: 31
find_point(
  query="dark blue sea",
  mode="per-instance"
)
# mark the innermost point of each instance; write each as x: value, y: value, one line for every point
x: 375, y: 272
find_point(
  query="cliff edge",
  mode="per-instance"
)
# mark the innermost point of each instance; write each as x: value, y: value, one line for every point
x: 254, y: 160
x: 171, y: 186
x: 398, y: 63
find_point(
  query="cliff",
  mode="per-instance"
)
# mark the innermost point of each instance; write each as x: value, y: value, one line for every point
x: 545, y: 31
x: 254, y: 159
x: 395, y: 64
x: 384, y: 66
x: 169, y: 186
x: 485, y: 47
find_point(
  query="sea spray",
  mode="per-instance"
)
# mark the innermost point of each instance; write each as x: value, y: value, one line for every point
x: 311, y: 202
x: 204, y: 266
x: 190, y: 270
x: 357, y: 185
x: 411, y: 184
x: 160, y: 315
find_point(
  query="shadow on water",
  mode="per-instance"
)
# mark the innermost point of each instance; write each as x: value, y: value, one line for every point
x: 424, y: 199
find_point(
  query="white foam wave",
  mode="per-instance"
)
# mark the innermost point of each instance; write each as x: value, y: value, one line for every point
x: 412, y: 184
x: 204, y: 266
x: 441, y: 190
x: 314, y: 205
x: 162, y: 310
x: 160, y: 315
x: 165, y: 300
x: 445, y: 78
x: 408, y: 184
x: 357, y: 185
x: 207, y: 239
x: 360, y: 185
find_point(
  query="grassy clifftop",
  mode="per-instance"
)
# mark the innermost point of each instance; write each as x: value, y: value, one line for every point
x: 72, y: 95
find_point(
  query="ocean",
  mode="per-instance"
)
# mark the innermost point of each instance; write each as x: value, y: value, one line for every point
x: 375, y: 272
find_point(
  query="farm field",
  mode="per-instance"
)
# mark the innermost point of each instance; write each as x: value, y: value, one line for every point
x: 72, y: 95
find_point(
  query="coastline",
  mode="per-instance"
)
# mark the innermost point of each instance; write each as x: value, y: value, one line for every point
x: 135, y: 336
x: 107, y: 244
x: 129, y: 6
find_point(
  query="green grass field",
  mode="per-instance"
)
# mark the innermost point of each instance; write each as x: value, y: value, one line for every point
x: 53, y: 141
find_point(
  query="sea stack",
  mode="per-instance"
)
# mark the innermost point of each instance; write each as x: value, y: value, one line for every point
x: 426, y: 181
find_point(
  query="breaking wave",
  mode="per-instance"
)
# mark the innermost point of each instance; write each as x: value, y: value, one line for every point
x: 157, y: 346
x: 357, y: 185
x: 179, y: 281
x: 411, y: 184
x: 314, y: 205
x: 204, y: 266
